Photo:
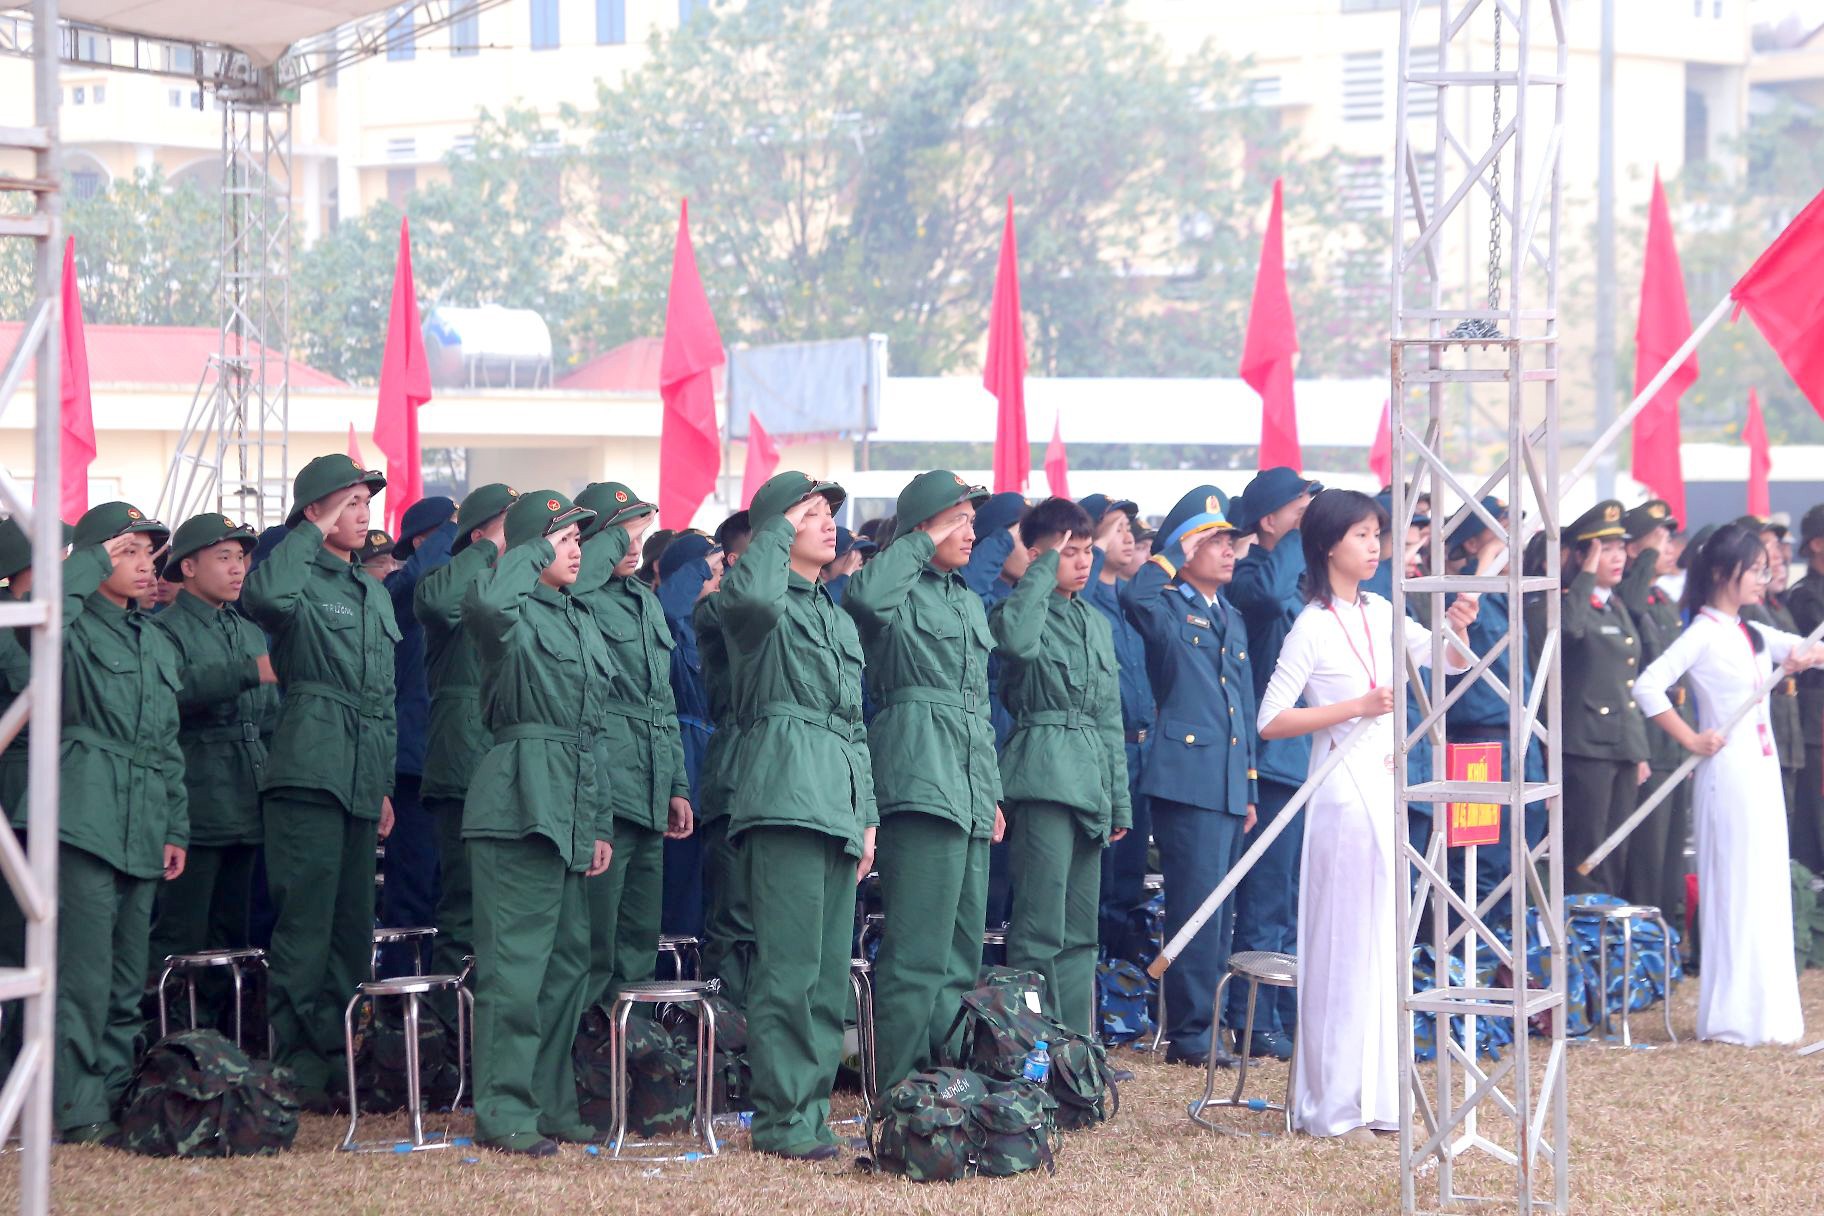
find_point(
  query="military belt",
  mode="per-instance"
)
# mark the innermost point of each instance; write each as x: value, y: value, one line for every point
x: 341, y: 696
x: 1070, y: 719
x: 847, y: 729
x: 914, y: 694
x: 145, y: 757
x: 542, y: 733
x: 225, y: 732
x: 639, y: 713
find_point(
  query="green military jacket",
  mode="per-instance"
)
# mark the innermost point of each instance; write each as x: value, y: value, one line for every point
x: 927, y: 644
x: 1601, y: 660
x: 1783, y: 701
x: 1661, y: 621
x: 1060, y: 682
x: 716, y: 781
x: 121, y: 775
x: 641, y: 743
x: 459, y: 731
x: 333, y: 635
x: 15, y: 675
x: 222, y: 705
x: 802, y: 757
x: 544, y: 683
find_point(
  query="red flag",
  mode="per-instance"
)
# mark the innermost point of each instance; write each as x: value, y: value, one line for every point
x: 354, y: 449
x: 1760, y: 461
x: 1781, y: 293
x: 762, y: 459
x: 78, y: 448
x: 1057, y: 464
x: 405, y: 384
x: 1266, y: 356
x: 1005, y: 373
x: 690, y: 451
x: 1380, y: 456
x: 1665, y: 323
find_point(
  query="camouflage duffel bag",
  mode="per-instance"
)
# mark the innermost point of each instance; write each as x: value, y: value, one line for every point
x: 380, y: 1079
x: 1019, y: 1129
x: 198, y: 1095
x: 661, y: 1074
x: 948, y: 1124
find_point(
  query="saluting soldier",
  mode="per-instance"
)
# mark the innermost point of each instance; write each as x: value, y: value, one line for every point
x: 326, y: 789
x: 727, y: 929
x: 458, y: 735
x: 1604, y: 734
x: 123, y: 822
x: 537, y: 825
x: 1201, y: 775
x: 1789, y: 738
x: 1655, y: 873
x: 1064, y: 770
x: 689, y: 570
x: 226, y: 694
x: 802, y: 813
x: 936, y: 780
x: 1806, y: 602
x: 650, y: 793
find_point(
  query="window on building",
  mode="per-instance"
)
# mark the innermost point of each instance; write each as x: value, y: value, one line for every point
x: 401, y: 38
x: 1264, y: 91
x: 1422, y: 99
x: 181, y: 59
x: 465, y: 28
x: 176, y: 97
x: 544, y: 25
x: 101, y: 93
x: 400, y: 183
x: 1364, y: 92
x: 85, y: 183
x: 1697, y: 128
x: 196, y: 99
x: 404, y: 148
x: 610, y: 22
x: 1363, y: 184
x: 79, y: 96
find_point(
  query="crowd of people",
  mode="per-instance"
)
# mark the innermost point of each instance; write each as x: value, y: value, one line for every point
x: 575, y: 734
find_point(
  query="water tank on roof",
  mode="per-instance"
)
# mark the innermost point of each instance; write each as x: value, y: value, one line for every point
x: 487, y: 347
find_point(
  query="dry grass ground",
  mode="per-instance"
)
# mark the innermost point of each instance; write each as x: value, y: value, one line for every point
x: 1700, y: 1128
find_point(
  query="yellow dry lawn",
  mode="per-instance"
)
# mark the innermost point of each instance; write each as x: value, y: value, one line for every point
x: 1697, y: 1128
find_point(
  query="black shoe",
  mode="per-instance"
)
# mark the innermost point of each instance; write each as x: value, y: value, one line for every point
x: 1267, y: 1044
x: 523, y: 1144
x: 818, y: 1152
x: 1200, y: 1059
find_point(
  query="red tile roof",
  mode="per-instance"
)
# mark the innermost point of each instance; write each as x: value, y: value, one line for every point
x: 158, y: 354
x: 631, y: 367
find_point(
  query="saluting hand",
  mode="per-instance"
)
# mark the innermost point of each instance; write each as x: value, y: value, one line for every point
x: 795, y: 513
x: 944, y: 528
x: 678, y: 819
x: 598, y: 862
x: 330, y: 507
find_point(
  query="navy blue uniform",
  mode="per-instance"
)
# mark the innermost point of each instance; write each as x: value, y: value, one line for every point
x: 682, y: 907
x: 1199, y: 775
x: 1124, y: 862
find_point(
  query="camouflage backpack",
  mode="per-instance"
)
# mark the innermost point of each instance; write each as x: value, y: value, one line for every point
x: 1124, y: 999
x: 380, y: 1061
x: 198, y: 1095
x: 1000, y: 1023
x: 661, y: 1074
x: 925, y: 1130
x: 733, y: 1074
x: 1019, y: 1129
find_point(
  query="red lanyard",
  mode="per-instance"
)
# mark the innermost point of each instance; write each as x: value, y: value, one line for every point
x: 1368, y: 664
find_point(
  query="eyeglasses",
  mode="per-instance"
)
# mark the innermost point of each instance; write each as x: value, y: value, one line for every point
x: 1762, y: 574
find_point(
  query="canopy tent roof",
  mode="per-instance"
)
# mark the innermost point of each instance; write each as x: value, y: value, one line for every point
x: 263, y: 30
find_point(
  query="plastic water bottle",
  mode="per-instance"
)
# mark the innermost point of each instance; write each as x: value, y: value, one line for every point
x: 1038, y: 1063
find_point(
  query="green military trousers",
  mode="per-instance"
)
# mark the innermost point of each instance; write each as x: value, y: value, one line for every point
x: 532, y: 970
x: 104, y: 920
x: 801, y: 892
x: 455, y: 893
x: 728, y: 932
x: 1655, y: 873
x: 934, y: 889
x: 624, y: 912
x: 205, y: 907
x: 1057, y: 876
x: 12, y: 954
x: 320, y: 871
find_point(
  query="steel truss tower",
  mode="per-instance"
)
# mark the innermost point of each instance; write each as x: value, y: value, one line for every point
x: 1488, y: 77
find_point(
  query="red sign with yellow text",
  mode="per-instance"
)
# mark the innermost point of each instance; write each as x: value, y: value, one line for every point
x: 1472, y: 823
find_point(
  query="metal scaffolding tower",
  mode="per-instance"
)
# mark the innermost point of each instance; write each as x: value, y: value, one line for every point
x: 1468, y: 1121
x: 31, y: 873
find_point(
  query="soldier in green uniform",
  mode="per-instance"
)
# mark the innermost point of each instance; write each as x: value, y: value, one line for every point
x: 1805, y: 815
x: 727, y: 930
x: 1604, y: 734
x: 1655, y: 873
x: 1789, y: 738
x: 1064, y: 769
x: 458, y: 736
x: 641, y: 744
x: 537, y: 825
x: 802, y: 814
x: 122, y: 820
x: 326, y: 789
x: 936, y: 779
x: 227, y: 692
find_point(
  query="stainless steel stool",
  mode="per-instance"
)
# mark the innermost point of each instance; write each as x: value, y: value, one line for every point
x: 995, y: 937
x: 467, y: 975
x: 1258, y: 967
x: 872, y: 926
x: 1153, y: 884
x: 681, y: 946
x: 409, y: 988
x: 676, y: 992
x: 861, y: 983
x: 1620, y: 919
x: 188, y: 966
x: 418, y: 936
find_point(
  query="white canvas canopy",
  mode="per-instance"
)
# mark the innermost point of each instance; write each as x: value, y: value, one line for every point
x: 261, y: 29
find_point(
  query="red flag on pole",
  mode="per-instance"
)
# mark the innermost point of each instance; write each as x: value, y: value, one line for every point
x: 1380, y: 456
x: 762, y: 459
x: 690, y: 451
x: 1781, y: 292
x: 1005, y: 373
x: 354, y: 448
x: 1760, y: 461
x: 1057, y: 463
x: 405, y: 384
x: 1665, y: 323
x: 1266, y: 356
x: 78, y: 415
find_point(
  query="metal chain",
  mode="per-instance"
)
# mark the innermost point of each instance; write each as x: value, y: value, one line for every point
x: 1494, y: 201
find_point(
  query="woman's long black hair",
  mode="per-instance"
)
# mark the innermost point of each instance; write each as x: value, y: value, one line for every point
x: 1731, y: 552
x: 1328, y: 519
